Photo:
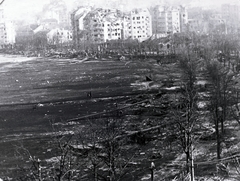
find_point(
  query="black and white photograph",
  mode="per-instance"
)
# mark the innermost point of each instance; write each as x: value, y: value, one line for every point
x: 119, y: 90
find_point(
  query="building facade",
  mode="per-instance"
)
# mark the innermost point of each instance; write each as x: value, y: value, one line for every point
x: 7, y: 31
x: 77, y: 23
x: 102, y: 25
x: 231, y: 15
x: 141, y: 24
x: 59, y: 36
x: 97, y: 26
x: 166, y: 20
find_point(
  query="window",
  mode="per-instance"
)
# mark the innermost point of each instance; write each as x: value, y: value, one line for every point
x: 133, y: 18
x: 138, y: 18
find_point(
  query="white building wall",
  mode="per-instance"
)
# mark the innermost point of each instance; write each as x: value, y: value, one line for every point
x: 57, y: 36
x: 81, y: 13
x: 175, y: 21
x: 10, y: 33
x: 141, y: 24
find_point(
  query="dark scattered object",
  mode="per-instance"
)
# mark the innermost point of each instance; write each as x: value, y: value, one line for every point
x: 89, y: 94
x: 148, y: 78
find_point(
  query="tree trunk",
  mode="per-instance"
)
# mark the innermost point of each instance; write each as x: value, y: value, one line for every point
x: 192, y: 165
x: 217, y: 138
x: 95, y: 172
x: 187, y: 161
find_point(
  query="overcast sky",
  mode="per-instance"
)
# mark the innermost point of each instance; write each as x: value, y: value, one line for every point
x: 26, y: 8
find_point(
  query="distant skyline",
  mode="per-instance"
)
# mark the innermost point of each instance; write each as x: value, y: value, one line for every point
x: 26, y: 9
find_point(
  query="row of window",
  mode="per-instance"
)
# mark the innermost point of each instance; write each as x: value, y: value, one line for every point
x: 138, y: 22
x: 139, y: 27
x: 114, y: 34
x: 114, y: 29
x: 138, y: 18
x: 139, y: 36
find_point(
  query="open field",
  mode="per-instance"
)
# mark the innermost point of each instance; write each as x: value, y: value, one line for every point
x: 41, y: 98
x: 36, y: 91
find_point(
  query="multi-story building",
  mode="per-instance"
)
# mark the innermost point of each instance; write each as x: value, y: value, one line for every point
x: 183, y: 15
x: 159, y: 20
x: 59, y: 36
x: 102, y: 25
x: 95, y: 26
x: 231, y: 15
x: 141, y: 24
x: 167, y: 20
x: 77, y: 17
x: 126, y: 26
x: 7, y: 31
x: 207, y: 22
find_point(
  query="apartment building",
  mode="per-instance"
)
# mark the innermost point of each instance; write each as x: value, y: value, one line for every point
x: 102, y: 25
x: 59, y: 36
x: 77, y: 23
x: 231, y: 15
x: 141, y: 24
x: 7, y: 31
x: 126, y: 26
x: 167, y: 20
x: 94, y: 26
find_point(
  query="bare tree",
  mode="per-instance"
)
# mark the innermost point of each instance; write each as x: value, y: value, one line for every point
x: 185, y: 114
x: 220, y: 78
